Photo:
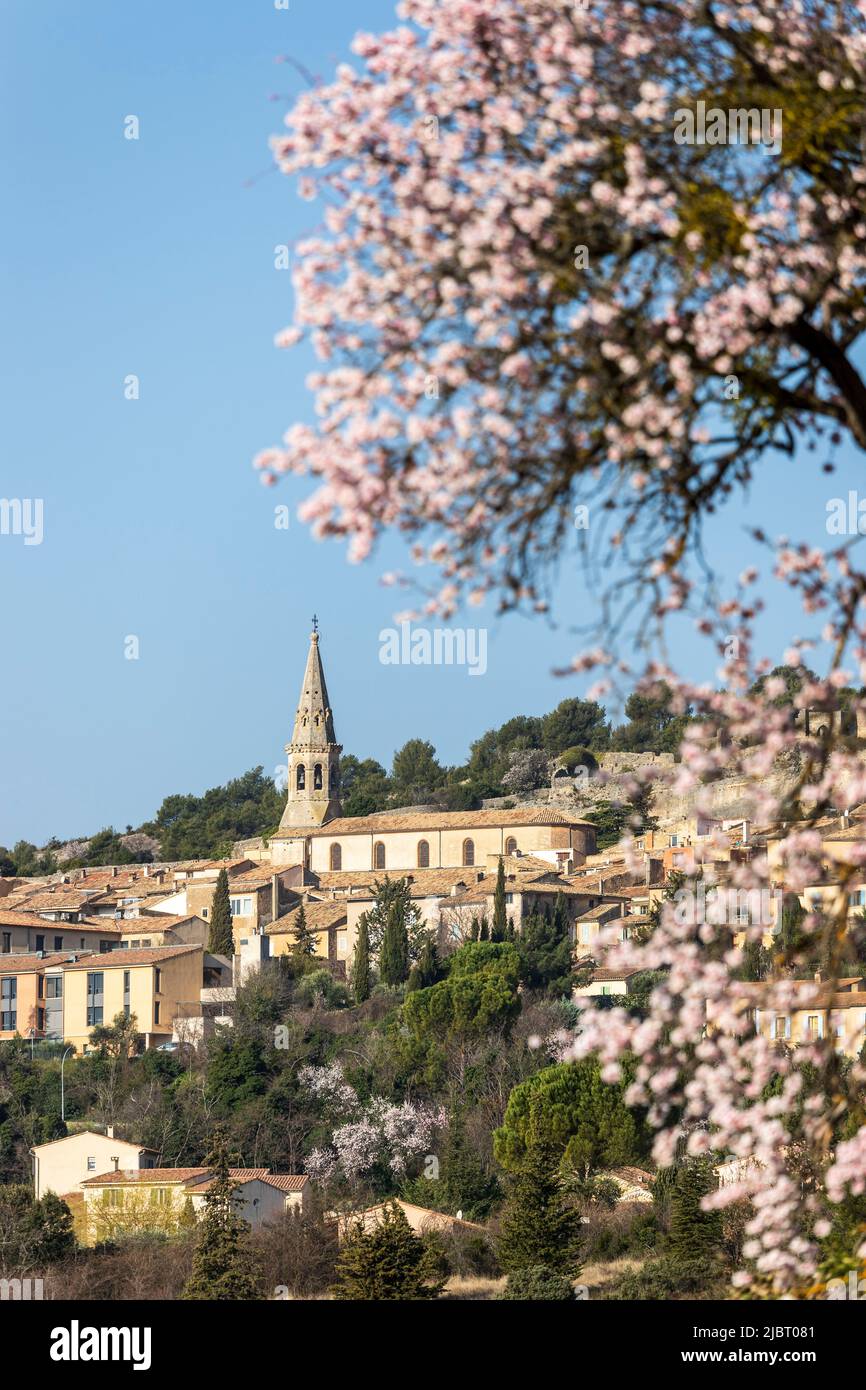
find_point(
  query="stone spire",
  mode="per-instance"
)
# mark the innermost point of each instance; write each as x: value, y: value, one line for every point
x: 314, y: 753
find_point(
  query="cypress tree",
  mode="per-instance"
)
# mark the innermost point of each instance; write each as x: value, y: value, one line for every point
x: 694, y: 1234
x: 305, y: 939
x: 361, y: 962
x: 221, y: 1264
x: 537, y: 1226
x: 483, y: 930
x: 221, y: 939
x: 466, y: 1185
x: 500, y: 924
x: 394, y: 955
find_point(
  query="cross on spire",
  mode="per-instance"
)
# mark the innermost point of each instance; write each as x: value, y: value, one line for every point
x: 315, y: 623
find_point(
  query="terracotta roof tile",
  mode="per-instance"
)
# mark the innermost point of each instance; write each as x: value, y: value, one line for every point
x: 384, y: 821
x: 151, y: 955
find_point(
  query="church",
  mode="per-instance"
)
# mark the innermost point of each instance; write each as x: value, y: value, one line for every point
x: 315, y: 835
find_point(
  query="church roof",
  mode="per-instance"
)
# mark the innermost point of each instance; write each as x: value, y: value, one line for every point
x: 314, y: 722
x: 445, y: 820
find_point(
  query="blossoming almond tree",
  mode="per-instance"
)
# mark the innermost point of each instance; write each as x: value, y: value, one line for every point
x: 535, y: 293
x: 549, y: 281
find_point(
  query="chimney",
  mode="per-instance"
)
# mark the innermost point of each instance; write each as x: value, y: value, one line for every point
x: 116, y: 1162
x: 146, y: 871
x: 109, y: 1131
x: 818, y: 977
x: 846, y: 818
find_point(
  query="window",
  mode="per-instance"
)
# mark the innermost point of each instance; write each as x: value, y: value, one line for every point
x: 336, y: 859
x: 7, y: 942
x: 511, y: 845
x: 781, y: 1028
x: 58, y: 943
x: 301, y: 778
x: 112, y: 1196
x: 126, y: 979
x: 160, y: 1196
x: 54, y: 986
x: 468, y: 852
x: 135, y: 944
x: 157, y: 981
x: 204, y: 911
x: 317, y: 777
x: 8, y: 1004
x: 95, y: 998
x: 91, y: 1165
x: 156, y: 1013
x: 814, y: 1027
x: 40, y: 943
x: 379, y: 856
x: 423, y: 855
x: 241, y: 907
x: 332, y: 779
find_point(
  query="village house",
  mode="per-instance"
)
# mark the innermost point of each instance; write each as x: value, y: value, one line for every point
x: 62, y: 1165
x: 124, y: 1201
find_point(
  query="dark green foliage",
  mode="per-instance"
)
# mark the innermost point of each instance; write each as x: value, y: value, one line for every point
x: 670, y: 1278
x: 545, y: 951
x: 365, y: 787
x: 538, y: 1283
x: 428, y: 969
x: 500, y: 922
x: 568, y: 1109
x: 415, y: 773
x: 694, y: 1234
x: 464, y: 1185
x: 236, y: 1071
x: 756, y: 961
x: 653, y: 727
x: 221, y: 1267
x: 478, y: 994
x: 388, y: 1262
x: 304, y: 940
x: 394, y: 951
x: 574, y: 722
x: 221, y: 939
x: 205, y: 827
x: 361, y: 963
x: 538, y: 1225
x: 33, y: 1234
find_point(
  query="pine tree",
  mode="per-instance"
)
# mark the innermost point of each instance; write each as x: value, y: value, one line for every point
x: 305, y: 940
x: 694, y: 1234
x: 500, y: 923
x: 221, y: 1265
x: 221, y: 940
x: 394, y: 955
x: 537, y: 1226
x: 361, y: 962
x: 387, y: 1261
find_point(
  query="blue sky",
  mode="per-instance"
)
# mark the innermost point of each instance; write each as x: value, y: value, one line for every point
x: 155, y: 257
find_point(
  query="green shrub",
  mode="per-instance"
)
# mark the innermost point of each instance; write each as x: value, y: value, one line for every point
x: 538, y: 1283
x: 669, y: 1278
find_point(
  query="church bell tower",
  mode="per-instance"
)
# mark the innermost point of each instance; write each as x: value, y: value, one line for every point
x: 314, y: 753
